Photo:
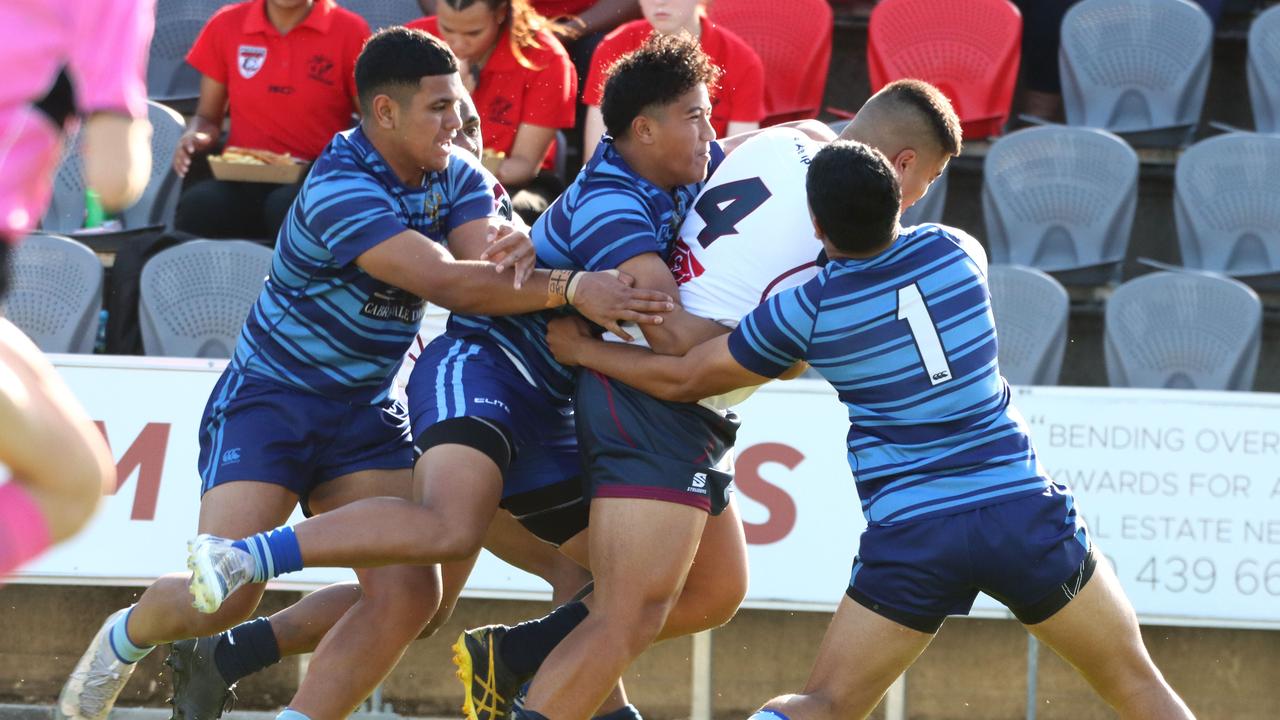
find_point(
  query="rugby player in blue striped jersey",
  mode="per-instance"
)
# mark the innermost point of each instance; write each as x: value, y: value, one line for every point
x: 302, y: 413
x: 899, y: 322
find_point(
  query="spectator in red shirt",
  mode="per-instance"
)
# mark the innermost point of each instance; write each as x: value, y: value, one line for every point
x: 286, y: 68
x: 523, y: 84
x: 737, y: 105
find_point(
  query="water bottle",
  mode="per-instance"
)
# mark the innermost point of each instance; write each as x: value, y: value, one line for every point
x: 93, y: 214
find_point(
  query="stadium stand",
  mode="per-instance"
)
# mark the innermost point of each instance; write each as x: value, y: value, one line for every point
x: 56, y: 293
x: 1183, y: 330
x: 384, y: 13
x: 66, y: 212
x: 1061, y: 199
x: 1139, y: 68
x: 194, y: 297
x: 1227, y: 207
x: 930, y: 207
x: 793, y: 41
x: 1264, y: 70
x: 169, y: 78
x: 970, y: 50
x: 1031, y: 310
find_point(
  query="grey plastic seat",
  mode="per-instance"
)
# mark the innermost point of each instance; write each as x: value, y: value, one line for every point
x: 1227, y: 207
x: 194, y: 298
x: 928, y: 209
x: 384, y: 13
x: 178, y: 24
x: 1061, y: 199
x: 159, y: 200
x: 56, y: 293
x: 1136, y: 67
x: 1183, y: 330
x: 1264, y: 70
x: 1031, y: 310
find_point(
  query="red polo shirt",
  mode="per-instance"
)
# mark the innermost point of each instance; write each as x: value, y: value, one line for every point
x: 555, y: 8
x: 740, y: 95
x: 508, y: 93
x: 287, y: 93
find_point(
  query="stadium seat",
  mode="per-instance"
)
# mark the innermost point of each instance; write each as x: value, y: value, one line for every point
x: 1185, y: 330
x: 178, y: 23
x: 56, y: 293
x: 158, y: 202
x: 384, y: 13
x: 1031, y: 310
x: 793, y: 40
x: 1264, y: 70
x: 1138, y: 68
x: 194, y: 297
x: 1061, y: 199
x: 1227, y: 207
x: 928, y: 209
x: 969, y: 50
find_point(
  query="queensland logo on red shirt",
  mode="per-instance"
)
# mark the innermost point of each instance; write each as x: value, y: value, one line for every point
x: 250, y: 59
x: 684, y: 266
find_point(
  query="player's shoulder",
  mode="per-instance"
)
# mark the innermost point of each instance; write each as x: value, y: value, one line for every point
x: 783, y: 142
x: 735, y: 49
x: 624, y: 38
x: 347, y: 22
x: 547, y: 50
x: 229, y: 18
x: 937, y: 232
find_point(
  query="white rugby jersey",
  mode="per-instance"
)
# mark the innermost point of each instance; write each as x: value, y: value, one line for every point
x: 748, y: 234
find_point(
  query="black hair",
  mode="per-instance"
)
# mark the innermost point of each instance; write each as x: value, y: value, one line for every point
x: 396, y: 59
x: 656, y: 74
x: 932, y: 106
x: 854, y: 195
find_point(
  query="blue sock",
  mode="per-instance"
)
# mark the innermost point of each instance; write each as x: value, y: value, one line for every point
x: 122, y: 646
x: 245, y: 649
x: 626, y: 712
x: 526, y: 645
x: 274, y: 552
x: 291, y: 714
x: 768, y: 714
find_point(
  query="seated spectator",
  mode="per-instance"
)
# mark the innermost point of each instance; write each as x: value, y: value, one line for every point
x: 1041, y: 35
x: 584, y: 23
x: 737, y: 104
x: 286, y: 69
x: 523, y: 84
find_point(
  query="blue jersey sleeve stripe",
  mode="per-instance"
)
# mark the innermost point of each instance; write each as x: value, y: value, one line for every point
x: 745, y: 355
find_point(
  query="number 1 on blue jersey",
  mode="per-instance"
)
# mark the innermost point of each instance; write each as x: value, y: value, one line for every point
x: 911, y: 308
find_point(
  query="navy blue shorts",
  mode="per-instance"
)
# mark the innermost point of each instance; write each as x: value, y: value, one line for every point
x: 1032, y: 553
x: 473, y: 378
x: 637, y: 446
x: 255, y: 429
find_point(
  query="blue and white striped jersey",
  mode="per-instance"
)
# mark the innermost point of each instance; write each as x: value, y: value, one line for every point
x: 324, y: 325
x: 609, y: 215
x: 908, y: 341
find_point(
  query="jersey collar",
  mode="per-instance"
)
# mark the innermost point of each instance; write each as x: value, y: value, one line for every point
x: 319, y: 19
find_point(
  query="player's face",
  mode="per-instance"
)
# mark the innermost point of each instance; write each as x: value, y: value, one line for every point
x: 468, y: 137
x: 682, y: 136
x: 471, y: 33
x: 669, y: 16
x: 428, y: 121
x: 917, y: 172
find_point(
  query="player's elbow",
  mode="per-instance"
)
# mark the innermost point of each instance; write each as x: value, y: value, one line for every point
x: 684, y: 390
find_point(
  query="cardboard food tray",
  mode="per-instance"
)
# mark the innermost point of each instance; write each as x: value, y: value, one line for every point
x: 244, y: 172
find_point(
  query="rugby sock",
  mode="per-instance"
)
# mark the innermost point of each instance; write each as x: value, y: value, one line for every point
x: 768, y: 714
x: 24, y: 533
x: 626, y: 712
x: 291, y: 714
x: 245, y: 649
x: 526, y: 645
x: 274, y: 552
x: 522, y: 714
x: 123, y: 647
